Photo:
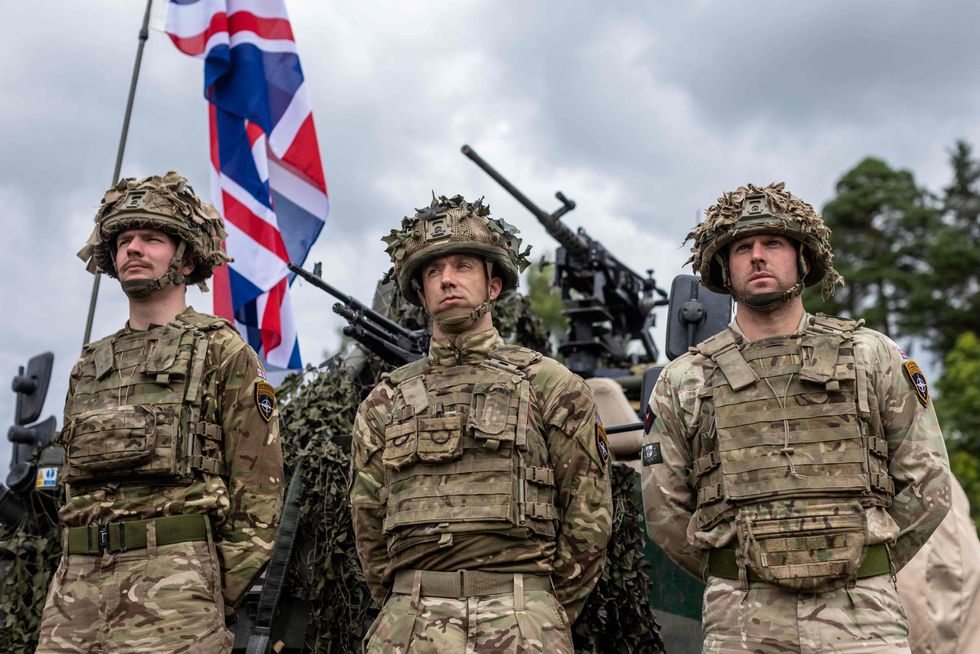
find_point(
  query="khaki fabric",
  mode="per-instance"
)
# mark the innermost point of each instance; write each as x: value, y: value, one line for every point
x: 615, y: 409
x: 475, y: 625
x: 765, y: 619
x: 940, y: 586
x: 159, y: 600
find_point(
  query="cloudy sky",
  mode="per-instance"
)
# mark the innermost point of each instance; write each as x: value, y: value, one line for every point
x: 642, y: 112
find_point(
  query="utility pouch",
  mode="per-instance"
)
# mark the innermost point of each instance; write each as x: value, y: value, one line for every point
x: 490, y: 407
x: 126, y: 441
x: 440, y: 438
x: 803, y: 546
x: 401, y: 445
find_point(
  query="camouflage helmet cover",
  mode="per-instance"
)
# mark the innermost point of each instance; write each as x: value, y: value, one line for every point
x: 167, y: 203
x: 751, y: 210
x: 453, y: 226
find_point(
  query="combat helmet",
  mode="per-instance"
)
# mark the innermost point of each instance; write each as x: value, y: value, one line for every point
x: 167, y: 203
x: 454, y: 226
x: 751, y: 210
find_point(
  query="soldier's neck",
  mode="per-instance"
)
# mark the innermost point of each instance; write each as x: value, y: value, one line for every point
x: 484, y: 323
x: 781, y: 321
x: 158, y: 308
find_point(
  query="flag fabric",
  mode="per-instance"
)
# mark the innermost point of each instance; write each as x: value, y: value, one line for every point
x: 266, y: 176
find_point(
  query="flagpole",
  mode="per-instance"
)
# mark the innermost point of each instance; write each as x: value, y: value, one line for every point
x: 143, y: 36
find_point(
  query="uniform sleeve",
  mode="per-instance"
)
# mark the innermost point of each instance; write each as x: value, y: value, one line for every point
x: 666, y: 459
x: 917, y: 455
x: 253, y: 460
x: 584, y: 495
x: 367, y: 479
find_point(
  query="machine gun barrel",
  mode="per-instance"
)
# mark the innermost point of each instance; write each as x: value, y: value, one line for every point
x: 351, y: 303
x: 551, y: 221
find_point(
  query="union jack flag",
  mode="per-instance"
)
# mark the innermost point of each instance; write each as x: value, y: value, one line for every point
x: 266, y: 176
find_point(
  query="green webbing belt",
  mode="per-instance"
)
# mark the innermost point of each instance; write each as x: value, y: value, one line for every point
x: 721, y: 563
x: 115, y: 537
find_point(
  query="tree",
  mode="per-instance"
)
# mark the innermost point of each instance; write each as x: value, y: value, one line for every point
x: 949, y: 304
x: 959, y: 413
x: 879, y: 220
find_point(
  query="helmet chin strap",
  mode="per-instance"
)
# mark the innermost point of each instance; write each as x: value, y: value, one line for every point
x: 140, y: 288
x: 768, y: 302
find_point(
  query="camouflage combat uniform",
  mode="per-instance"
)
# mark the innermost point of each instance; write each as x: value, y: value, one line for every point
x: 795, y: 474
x: 173, y: 490
x: 479, y: 492
x: 539, y: 443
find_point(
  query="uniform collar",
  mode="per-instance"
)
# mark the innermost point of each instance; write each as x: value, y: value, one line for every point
x: 804, y: 322
x: 189, y: 311
x: 466, y: 348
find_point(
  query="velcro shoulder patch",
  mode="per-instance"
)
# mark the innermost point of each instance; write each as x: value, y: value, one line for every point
x: 265, y: 399
x: 918, y: 381
x: 601, y: 440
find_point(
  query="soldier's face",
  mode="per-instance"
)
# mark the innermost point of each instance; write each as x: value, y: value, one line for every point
x: 457, y: 280
x: 763, y: 263
x: 143, y: 254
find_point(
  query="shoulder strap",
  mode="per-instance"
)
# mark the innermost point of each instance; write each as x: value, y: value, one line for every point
x: 203, y: 321
x: 409, y: 370
x: 512, y: 358
x: 722, y: 348
x: 825, y: 323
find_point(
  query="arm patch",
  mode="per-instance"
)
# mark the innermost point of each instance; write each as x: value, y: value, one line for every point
x: 652, y: 454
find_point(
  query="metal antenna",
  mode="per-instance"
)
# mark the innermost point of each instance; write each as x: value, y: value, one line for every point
x: 143, y: 36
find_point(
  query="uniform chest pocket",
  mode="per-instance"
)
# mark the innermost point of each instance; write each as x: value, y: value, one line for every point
x: 118, y: 438
x: 401, y: 445
x: 440, y: 438
x: 490, y: 412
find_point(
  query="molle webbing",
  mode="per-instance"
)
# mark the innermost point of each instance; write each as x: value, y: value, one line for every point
x: 137, y: 408
x: 799, y: 430
x: 458, y: 456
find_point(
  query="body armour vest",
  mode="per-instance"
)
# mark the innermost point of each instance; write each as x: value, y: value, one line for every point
x: 143, y: 407
x: 793, y: 452
x: 460, y: 457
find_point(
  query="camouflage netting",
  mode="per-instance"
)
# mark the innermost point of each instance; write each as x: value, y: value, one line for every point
x: 28, y: 558
x: 318, y: 409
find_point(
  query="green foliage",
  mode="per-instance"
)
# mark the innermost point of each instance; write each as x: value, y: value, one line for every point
x: 959, y: 411
x: 880, y: 220
x: 948, y: 303
x: 617, y: 616
x: 546, y: 302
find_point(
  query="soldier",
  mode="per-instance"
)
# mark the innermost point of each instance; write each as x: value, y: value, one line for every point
x: 479, y: 490
x: 173, y: 464
x: 795, y: 462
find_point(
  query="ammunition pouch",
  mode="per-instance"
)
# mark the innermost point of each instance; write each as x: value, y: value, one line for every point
x: 807, y: 547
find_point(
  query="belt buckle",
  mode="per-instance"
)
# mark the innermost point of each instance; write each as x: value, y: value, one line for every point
x: 105, y: 543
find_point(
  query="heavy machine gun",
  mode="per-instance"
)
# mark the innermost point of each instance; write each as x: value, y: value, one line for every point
x: 395, y: 344
x: 608, y: 305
